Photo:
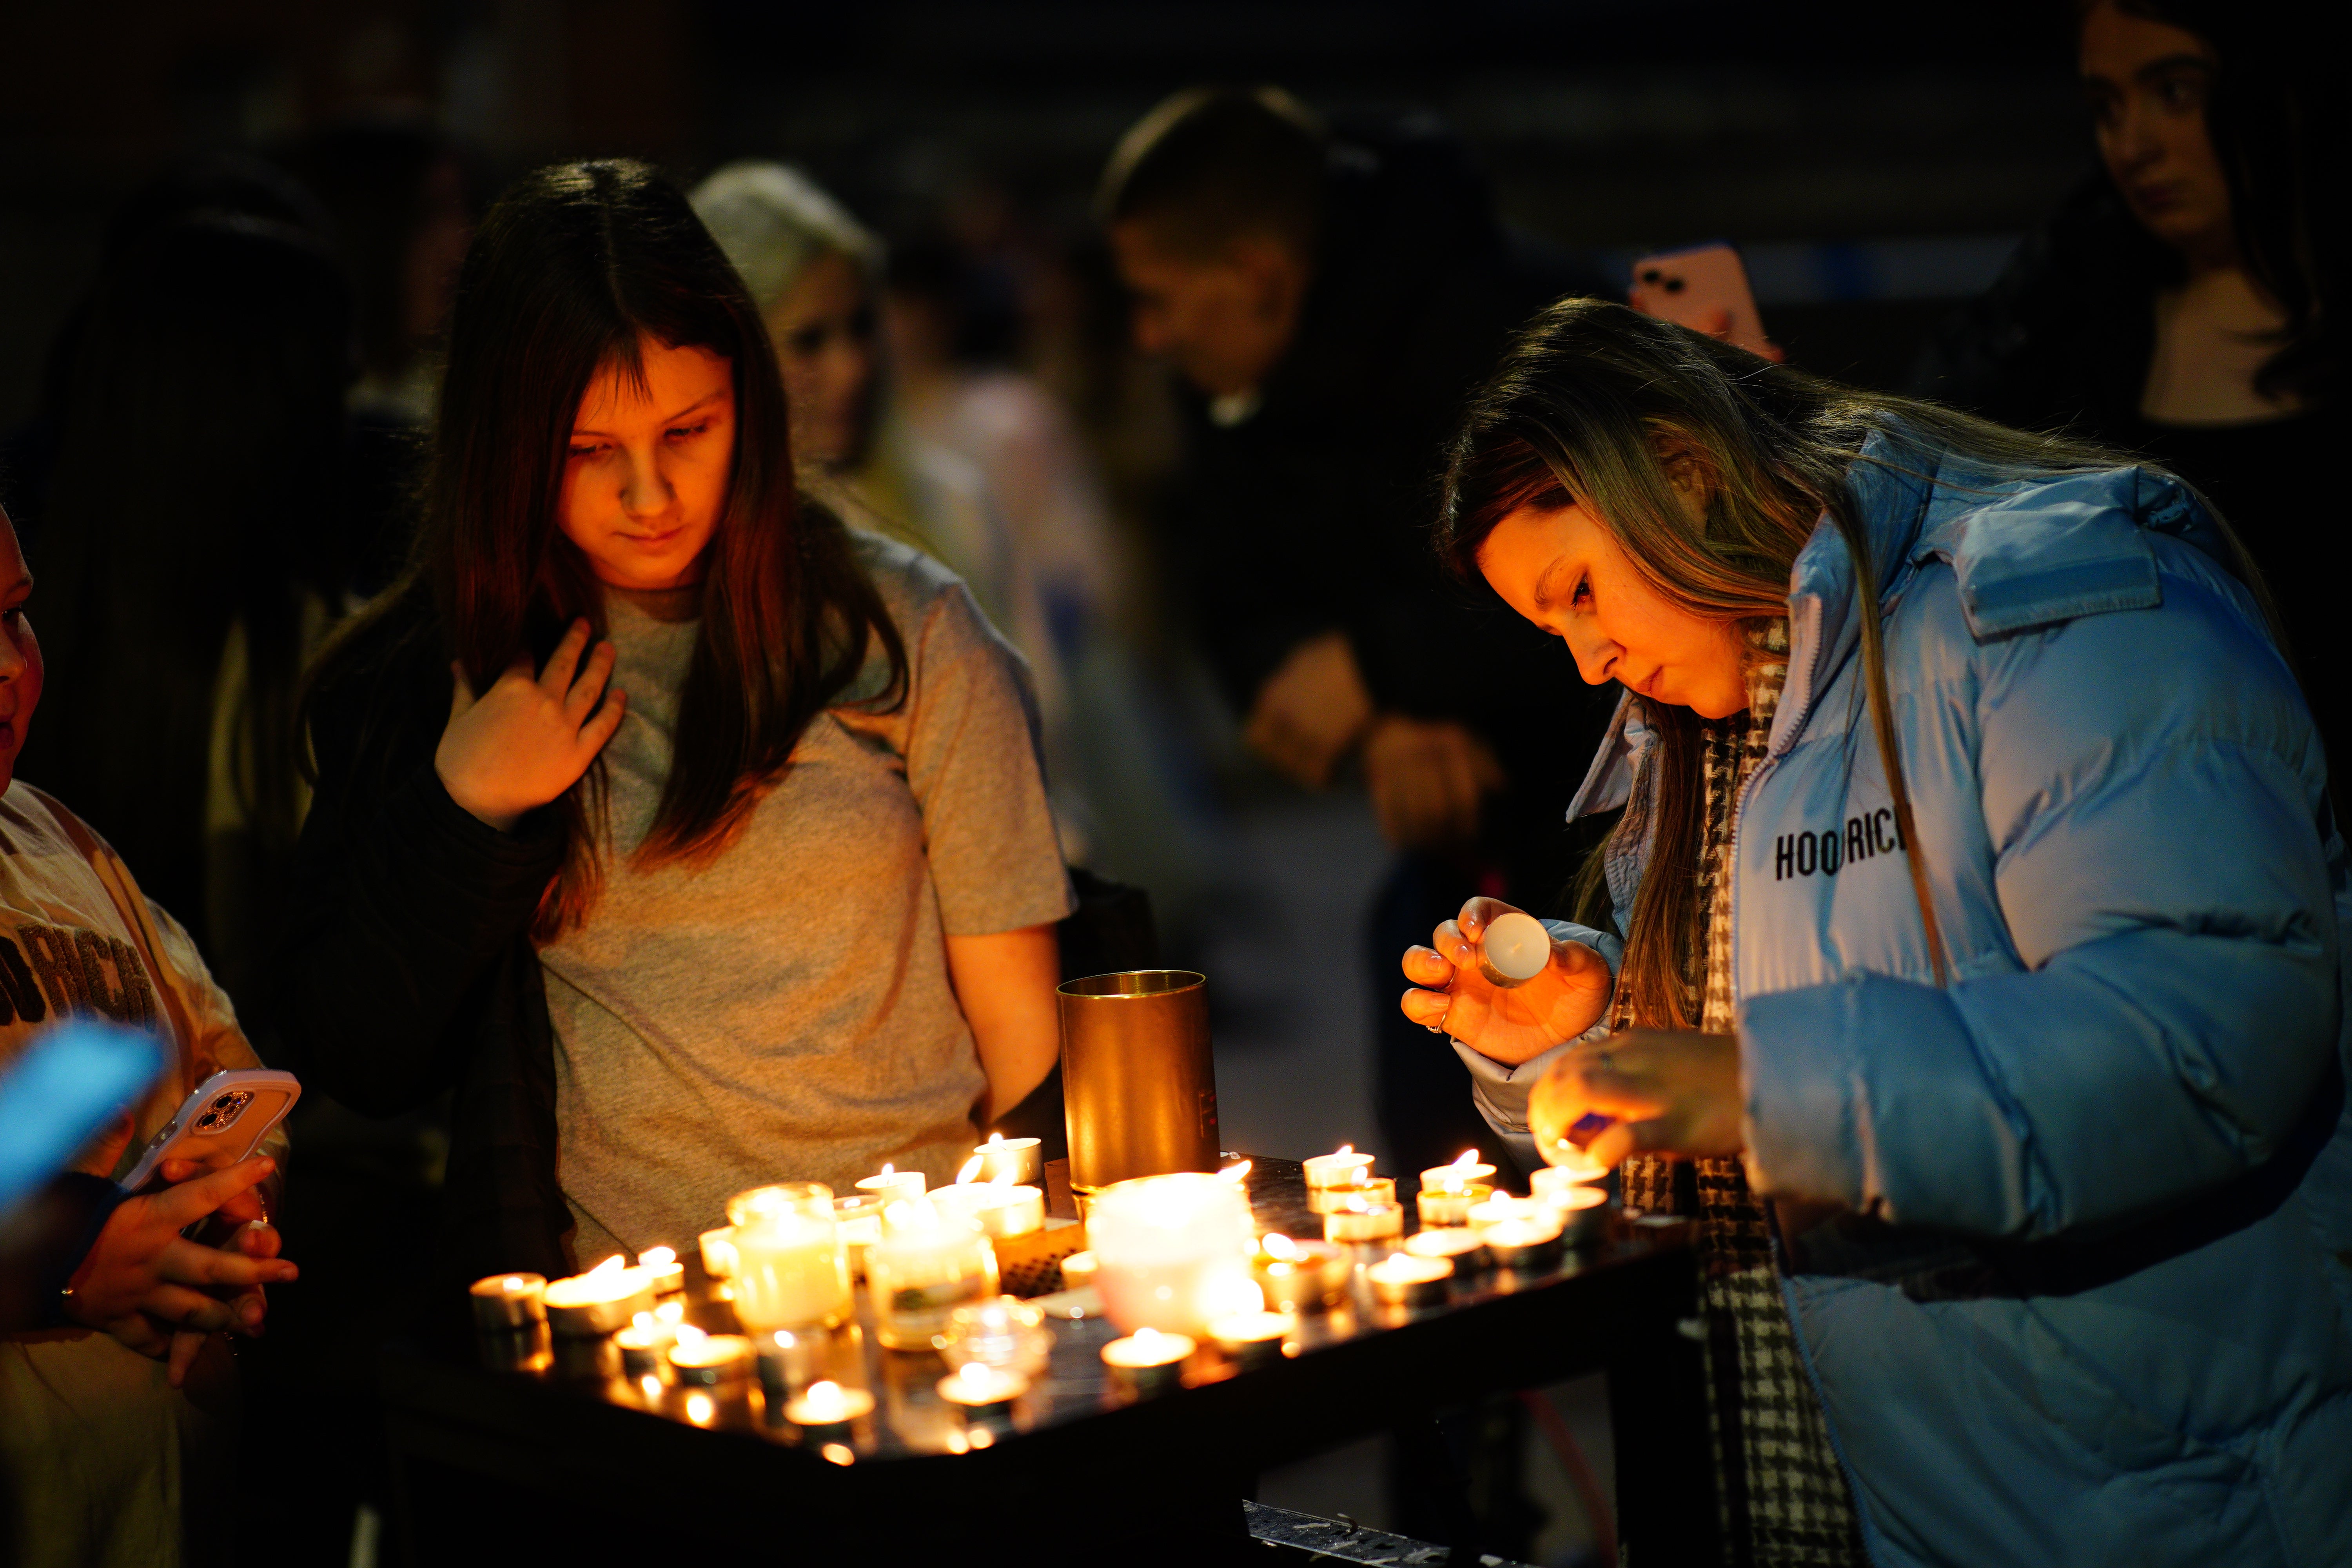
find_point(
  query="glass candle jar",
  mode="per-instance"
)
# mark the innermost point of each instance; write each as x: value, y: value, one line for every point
x: 790, y: 1271
x: 1171, y: 1252
x: 926, y: 1264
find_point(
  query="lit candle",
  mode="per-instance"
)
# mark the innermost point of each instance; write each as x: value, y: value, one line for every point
x: 1148, y: 1361
x: 1017, y: 1159
x: 827, y: 1404
x: 859, y: 1218
x: 1450, y: 1205
x: 1583, y: 1211
x: 1371, y: 1190
x: 998, y: 1209
x: 1522, y: 1244
x: 1077, y: 1270
x: 1007, y: 1332
x: 1300, y: 1276
x: 1363, y: 1222
x: 790, y: 1271
x: 1505, y: 1207
x: 599, y: 1301
x: 1457, y: 1245
x: 1237, y: 1174
x: 1251, y: 1338
x: 1465, y: 1169
x: 1345, y: 1168
x: 1568, y: 1162
x: 1172, y: 1251
x: 504, y: 1302
x: 925, y: 1264
x: 892, y: 1186
x: 1401, y: 1280
x: 643, y: 1345
x: 982, y: 1389
x: 719, y: 1252
x: 787, y: 1362
x: 661, y: 1265
x: 706, y: 1360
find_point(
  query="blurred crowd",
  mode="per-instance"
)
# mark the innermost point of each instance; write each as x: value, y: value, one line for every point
x: 1184, y: 459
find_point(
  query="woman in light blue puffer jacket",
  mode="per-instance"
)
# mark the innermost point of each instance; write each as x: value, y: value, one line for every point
x: 1966, y: 955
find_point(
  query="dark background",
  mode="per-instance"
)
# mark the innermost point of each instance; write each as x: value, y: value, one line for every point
x: 1876, y: 161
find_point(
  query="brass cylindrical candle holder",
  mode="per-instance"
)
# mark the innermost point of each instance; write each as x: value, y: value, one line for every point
x: 1138, y: 1080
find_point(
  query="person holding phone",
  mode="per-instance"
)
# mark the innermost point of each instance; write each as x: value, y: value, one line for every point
x: 1966, y: 960
x: 695, y: 841
x: 117, y: 1398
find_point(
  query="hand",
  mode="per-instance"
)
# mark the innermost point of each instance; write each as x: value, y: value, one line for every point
x: 528, y: 739
x: 1507, y: 1022
x: 1427, y: 778
x: 1310, y: 711
x: 141, y: 1277
x: 1673, y: 1092
x: 241, y: 1225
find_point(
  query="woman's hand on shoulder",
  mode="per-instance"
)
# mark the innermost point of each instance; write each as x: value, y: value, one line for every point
x: 530, y: 736
x: 1509, y: 1023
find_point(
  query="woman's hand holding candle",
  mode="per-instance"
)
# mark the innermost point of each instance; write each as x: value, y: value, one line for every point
x: 1510, y: 1024
x: 1671, y: 1093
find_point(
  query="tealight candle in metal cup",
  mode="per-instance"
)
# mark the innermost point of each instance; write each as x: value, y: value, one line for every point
x: 662, y: 1266
x: 1148, y: 1362
x: 984, y: 1391
x: 1461, y: 1172
x: 1363, y: 1222
x: 1404, y: 1279
x: 709, y: 1361
x: 1583, y: 1214
x: 1300, y: 1276
x: 644, y: 1349
x: 719, y: 1252
x: 823, y: 1409
x: 1021, y: 1161
x: 1450, y: 1205
x: 590, y: 1305
x: 1523, y: 1244
x: 1371, y: 1190
x: 1251, y: 1338
x: 505, y: 1303
x: 1458, y: 1244
x: 787, y: 1362
x: 1560, y: 1185
x: 1503, y: 1206
x: 1077, y: 1270
x: 1346, y: 1168
x: 893, y: 1185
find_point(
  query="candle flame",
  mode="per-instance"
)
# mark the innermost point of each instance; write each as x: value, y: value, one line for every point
x: 698, y: 1409
x: 1234, y: 1174
x: 609, y: 1266
x: 671, y: 1312
x: 995, y: 1139
x: 887, y: 1170
x: 1279, y: 1245
x: 970, y: 1169
x: 1356, y: 1203
x: 512, y: 1283
x: 644, y: 1320
x: 1397, y: 1258
x: 656, y: 1257
x: 1003, y: 1177
x: 1345, y: 1149
x: 1146, y: 1338
x: 651, y: 1384
x: 1467, y: 1157
x: 690, y: 1338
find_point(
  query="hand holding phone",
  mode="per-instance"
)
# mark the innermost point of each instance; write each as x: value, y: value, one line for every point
x: 219, y: 1124
x: 1706, y: 289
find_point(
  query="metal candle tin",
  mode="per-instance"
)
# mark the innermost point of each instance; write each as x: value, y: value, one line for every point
x: 504, y: 1302
x: 1138, y: 1080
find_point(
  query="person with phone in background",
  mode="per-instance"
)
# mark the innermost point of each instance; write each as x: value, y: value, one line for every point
x: 2187, y: 301
x: 118, y: 1406
x: 1966, y: 960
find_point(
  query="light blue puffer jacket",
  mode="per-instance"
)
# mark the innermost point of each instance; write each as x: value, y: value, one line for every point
x: 2107, y: 1316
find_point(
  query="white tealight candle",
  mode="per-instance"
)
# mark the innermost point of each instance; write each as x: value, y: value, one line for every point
x: 1466, y: 1169
x: 978, y: 1386
x: 1522, y: 1243
x: 1343, y: 1168
x: 1364, y: 1222
x: 1016, y: 1160
x: 1458, y: 1244
x: 1558, y: 1184
x: 1450, y: 1205
x: 1402, y: 1279
x: 1251, y: 1338
x: 892, y: 1186
x: 1300, y: 1276
x: 1172, y: 1251
x: 708, y: 1361
x: 1515, y: 949
x: 827, y: 1404
x: 1148, y: 1361
x: 719, y: 1252
x: 599, y: 1301
x: 661, y: 1266
x: 504, y: 1302
x: 1505, y: 1207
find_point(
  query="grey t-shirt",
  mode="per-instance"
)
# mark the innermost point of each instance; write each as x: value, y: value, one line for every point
x: 784, y: 1011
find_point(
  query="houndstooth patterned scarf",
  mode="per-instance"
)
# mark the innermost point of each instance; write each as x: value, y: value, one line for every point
x: 1779, y: 1493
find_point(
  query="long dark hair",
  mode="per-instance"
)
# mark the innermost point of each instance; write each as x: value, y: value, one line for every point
x: 2278, y: 133
x: 1578, y: 411
x: 572, y: 271
x: 195, y: 490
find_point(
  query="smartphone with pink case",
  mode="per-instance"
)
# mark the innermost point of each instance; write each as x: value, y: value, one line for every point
x: 222, y: 1122
x: 1703, y: 289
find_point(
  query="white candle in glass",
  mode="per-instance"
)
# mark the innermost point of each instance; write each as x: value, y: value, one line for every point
x: 925, y: 1264
x: 1172, y: 1252
x: 790, y: 1271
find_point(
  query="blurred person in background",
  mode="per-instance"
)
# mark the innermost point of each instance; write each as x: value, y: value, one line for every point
x: 118, y: 1401
x: 952, y: 339
x: 193, y: 555
x: 1328, y: 296
x: 395, y: 189
x: 2187, y: 301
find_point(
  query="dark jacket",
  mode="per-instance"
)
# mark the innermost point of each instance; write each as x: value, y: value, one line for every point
x: 407, y: 968
x: 1315, y: 513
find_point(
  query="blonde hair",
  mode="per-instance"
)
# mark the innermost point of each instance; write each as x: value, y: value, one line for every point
x: 774, y: 222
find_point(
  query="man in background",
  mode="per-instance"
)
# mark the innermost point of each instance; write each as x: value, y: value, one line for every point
x: 1328, y: 295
